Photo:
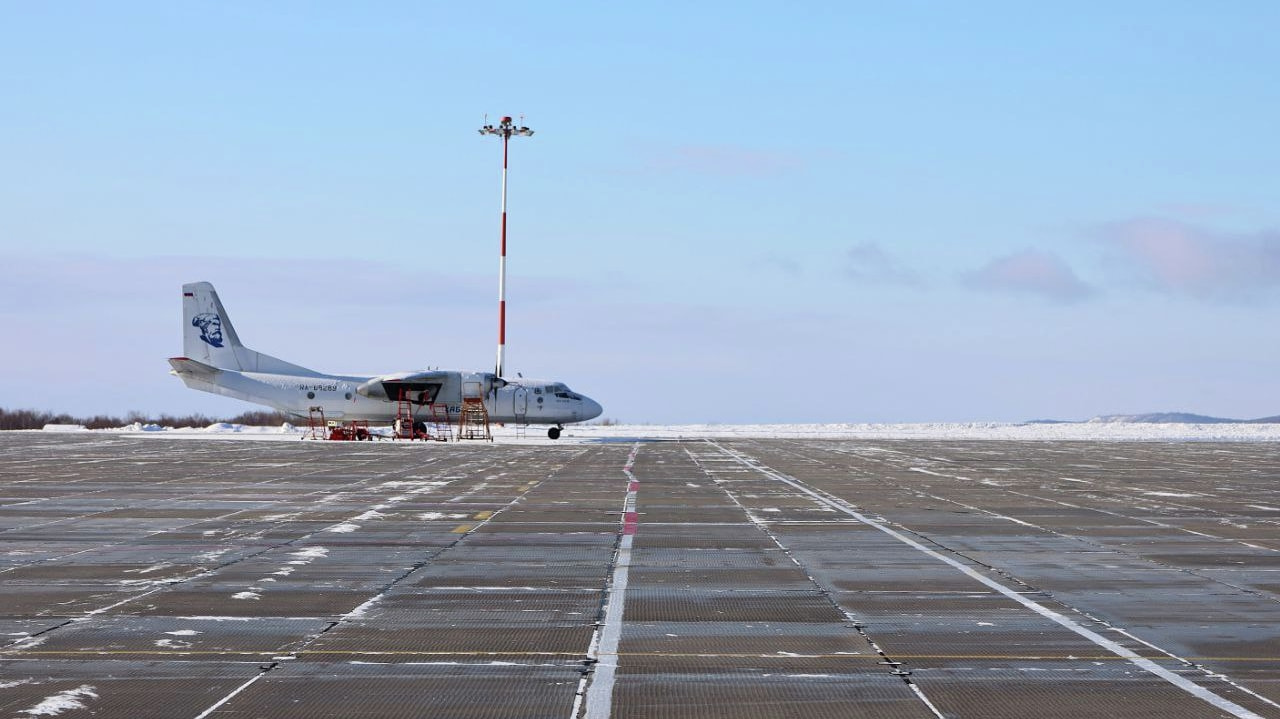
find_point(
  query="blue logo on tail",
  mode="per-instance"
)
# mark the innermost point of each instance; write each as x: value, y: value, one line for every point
x: 210, y: 328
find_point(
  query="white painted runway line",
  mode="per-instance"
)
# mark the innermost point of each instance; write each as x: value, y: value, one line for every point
x: 233, y: 694
x: 763, y: 526
x: 1137, y: 660
x: 600, y: 690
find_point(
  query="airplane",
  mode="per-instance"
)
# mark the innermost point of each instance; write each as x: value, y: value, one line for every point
x: 215, y: 361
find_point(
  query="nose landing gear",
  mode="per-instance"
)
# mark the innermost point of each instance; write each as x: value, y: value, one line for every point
x: 554, y: 432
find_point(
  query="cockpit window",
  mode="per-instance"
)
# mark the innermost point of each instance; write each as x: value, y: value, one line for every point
x: 559, y: 389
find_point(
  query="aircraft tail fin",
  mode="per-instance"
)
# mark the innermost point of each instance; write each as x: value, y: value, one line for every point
x: 209, y: 338
x: 207, y: 334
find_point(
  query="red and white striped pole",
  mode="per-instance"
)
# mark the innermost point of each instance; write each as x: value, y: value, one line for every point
x: 504, y: 129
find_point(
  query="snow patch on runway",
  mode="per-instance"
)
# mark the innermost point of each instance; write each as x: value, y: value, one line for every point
x: 428, y: 516
x: 148, y: 570
x: 63, y: 701
x: 361, y: 610
x: 18, y: 683
x: 310, y: 553
x: 28, y: 643
x: 418, y: 485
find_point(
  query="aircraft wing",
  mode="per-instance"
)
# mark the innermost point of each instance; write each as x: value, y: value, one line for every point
x: 388, y: 386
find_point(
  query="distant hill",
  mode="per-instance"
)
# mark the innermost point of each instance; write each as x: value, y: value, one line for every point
x: 1176, y: 418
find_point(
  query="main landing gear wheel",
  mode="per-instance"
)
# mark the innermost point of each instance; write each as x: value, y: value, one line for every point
x: 554, y: 433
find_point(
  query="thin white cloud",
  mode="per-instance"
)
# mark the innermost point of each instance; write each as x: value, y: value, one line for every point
x: 1030, y: 272
x: 869, y: 263
x: 1184, y: 259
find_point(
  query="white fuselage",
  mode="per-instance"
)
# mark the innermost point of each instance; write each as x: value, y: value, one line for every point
x: 521, y: 401
x: 216, y: 361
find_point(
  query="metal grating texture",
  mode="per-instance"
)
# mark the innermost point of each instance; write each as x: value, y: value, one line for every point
x: 398, y: 691
x: 146, y: 689
x: 644, y: 605
x: 1062, y: 691
x: 756, y: 695
x: 394, y: 580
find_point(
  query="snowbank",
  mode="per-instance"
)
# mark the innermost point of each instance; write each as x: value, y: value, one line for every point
x: 954, y: 431
x: 65, y: 428
x: 215, y: 429
x: 1077, y: 431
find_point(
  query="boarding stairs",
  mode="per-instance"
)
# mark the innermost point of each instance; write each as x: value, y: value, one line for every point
x: 473, y: 421
x: 404, y: 425
x: 317, y: 428
x: 439, y: 427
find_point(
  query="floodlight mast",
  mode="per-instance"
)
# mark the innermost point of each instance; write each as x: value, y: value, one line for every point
x: 505, y: 129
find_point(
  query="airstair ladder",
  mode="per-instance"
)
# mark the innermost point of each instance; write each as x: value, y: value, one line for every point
x: 473, y: 423
x: 440, y: 428
x: 317, y: 428
x: 403, y: 427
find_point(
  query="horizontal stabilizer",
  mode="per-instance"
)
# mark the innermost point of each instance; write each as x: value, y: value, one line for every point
x: 191, y: 368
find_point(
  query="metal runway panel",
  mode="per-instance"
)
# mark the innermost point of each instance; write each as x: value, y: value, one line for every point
x: 153, y: 577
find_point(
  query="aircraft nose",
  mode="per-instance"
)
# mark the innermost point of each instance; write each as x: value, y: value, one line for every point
x: 591, y: 408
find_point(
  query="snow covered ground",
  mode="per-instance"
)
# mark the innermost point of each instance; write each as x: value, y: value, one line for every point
x: 1093, y: 431
x: 960, y: 430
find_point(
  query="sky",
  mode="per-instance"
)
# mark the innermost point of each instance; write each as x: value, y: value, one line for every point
x: 730, y: 212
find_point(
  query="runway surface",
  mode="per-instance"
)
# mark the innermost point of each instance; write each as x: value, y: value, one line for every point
x: 153, y: 577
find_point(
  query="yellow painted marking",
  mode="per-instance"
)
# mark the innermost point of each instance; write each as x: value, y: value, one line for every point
x: 482, y: 515
x: 462, y: 529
